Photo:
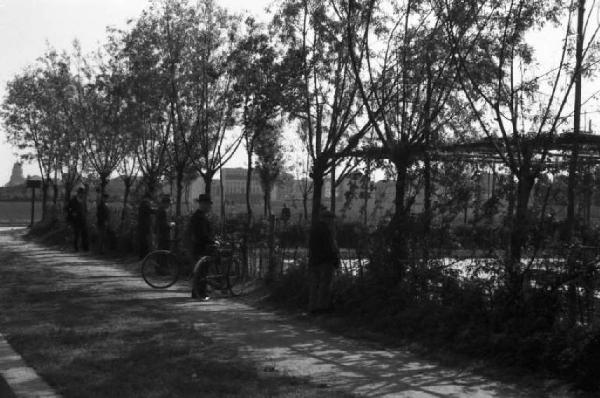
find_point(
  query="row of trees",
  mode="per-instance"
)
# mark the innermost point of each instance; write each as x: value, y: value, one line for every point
x: 368, y: 83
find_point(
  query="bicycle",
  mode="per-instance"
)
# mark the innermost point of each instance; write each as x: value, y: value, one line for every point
x: 161, y: 269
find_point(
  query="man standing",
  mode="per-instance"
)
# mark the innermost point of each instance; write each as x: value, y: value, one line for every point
x: 102, y: 220
x: 202, y: 241
x: 76, y: 214
x: 163, y: 230
x: 145, y: 212
x: 325, y: 258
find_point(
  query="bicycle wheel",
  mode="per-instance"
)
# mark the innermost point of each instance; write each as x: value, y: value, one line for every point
x: 160, y: 269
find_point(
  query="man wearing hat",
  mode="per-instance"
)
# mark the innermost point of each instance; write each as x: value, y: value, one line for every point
x: 202, y: 240
x: 162, y: 228
x: 324, y: 259
x: 76, y: 215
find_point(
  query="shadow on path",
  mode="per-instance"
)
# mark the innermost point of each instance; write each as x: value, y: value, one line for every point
x: 274, y: 342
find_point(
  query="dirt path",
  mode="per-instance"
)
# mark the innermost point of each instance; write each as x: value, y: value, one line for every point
x: 276, y: 343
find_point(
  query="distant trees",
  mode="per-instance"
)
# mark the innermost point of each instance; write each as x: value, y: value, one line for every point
x: 270, y: 160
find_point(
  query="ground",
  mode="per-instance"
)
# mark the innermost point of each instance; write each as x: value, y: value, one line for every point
x: 91, y: 327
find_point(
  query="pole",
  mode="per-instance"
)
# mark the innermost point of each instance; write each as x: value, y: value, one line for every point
x: 572, y: 183
x: 576, y: 122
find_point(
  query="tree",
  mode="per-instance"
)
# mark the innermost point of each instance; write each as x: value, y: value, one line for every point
x: 320, y: 90
x: 211, y: 100
x: 70, y: 160
x: 147, y: 101
x: 406, y: 76
x: 100, y: 102
x: 259, y: 86
x: 518, y: 121
x: 36, y: 113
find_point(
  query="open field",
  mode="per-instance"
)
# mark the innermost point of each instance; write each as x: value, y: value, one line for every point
x: 12, y: 212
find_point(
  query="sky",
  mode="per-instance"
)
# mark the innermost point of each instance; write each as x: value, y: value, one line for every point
x: 26, y: 26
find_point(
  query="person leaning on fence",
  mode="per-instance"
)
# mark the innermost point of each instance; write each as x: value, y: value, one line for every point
x: 76, y: 216
x: 102, y: 221
x: 202, y: 245
x: 325, y: 258
x: 144, y: 225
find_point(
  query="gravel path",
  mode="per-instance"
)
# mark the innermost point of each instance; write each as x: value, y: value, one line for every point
x: 280, y: 344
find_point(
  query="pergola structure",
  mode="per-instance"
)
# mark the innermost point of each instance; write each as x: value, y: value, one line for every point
x: 556, y: 147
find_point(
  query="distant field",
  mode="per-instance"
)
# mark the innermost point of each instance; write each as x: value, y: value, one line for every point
x: 18, y: 212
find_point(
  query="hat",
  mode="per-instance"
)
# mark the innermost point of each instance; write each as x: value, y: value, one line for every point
x: 81, y: 190
x: 204, y: 198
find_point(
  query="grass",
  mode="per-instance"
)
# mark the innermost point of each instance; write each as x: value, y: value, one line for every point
x: 88, y: 344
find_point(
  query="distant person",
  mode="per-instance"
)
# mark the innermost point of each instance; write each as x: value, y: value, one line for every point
x: 202, y: 244
x: 325, y: 258
x: 285, y: 214
x: 102, y: 221
x: 144, y: 225
x: 162, y: 227
x: 77, y: 217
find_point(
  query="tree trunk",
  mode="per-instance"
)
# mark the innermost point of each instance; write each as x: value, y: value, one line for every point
x: 519, y: 231
x: 367, y: 182
x: 271, y: 245
x: 249, y: 215
x: 265, y: 212
x: 316, y: 205
x: 128, y: 183
x: 45, y: 186
x: 222, y: 198
x: 103, y: 184
x: 54, y: 192
x: 332, y: 191
x: 426, y: 206
x: 249, y: 189
x: 398, y: 224
x: 178, y: 198
x: 267, y: 200
x: 207, y: 178
x: 305, y: 204
x: 67, y: 198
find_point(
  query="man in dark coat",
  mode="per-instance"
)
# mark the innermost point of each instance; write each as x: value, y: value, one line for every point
x: 76, y: 215
x: 102, y: 220
x: 324, y: 259
x: 145, y: 212
x: 163, y: 228
x: 202, y: 242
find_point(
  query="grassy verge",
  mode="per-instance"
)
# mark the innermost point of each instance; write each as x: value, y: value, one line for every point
x: 87, y: 343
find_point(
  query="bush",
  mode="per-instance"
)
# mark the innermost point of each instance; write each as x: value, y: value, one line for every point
x: 292, y: 288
